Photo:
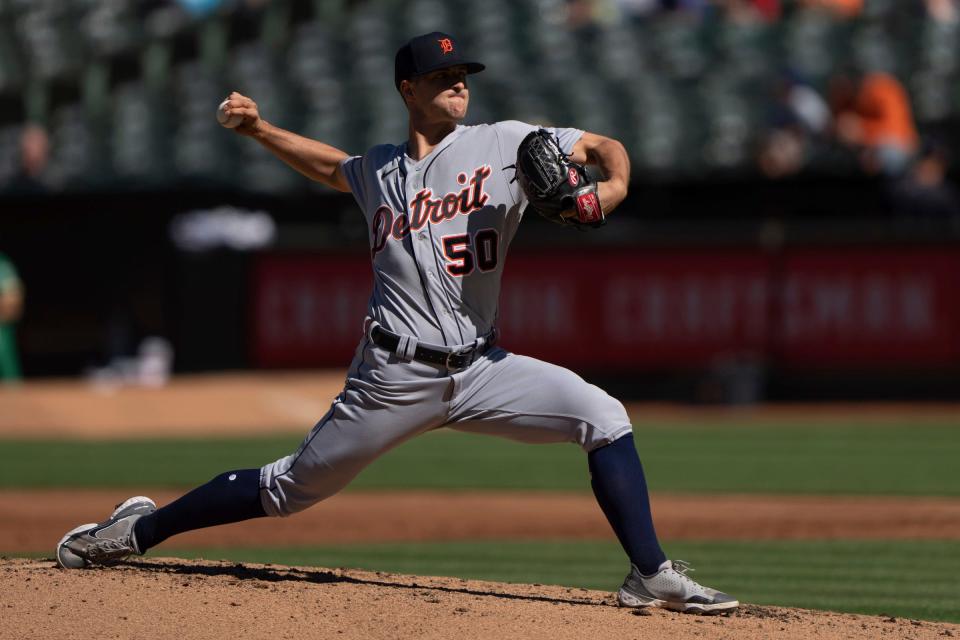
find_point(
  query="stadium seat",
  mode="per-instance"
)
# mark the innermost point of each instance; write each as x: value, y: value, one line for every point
x: 685, y: 89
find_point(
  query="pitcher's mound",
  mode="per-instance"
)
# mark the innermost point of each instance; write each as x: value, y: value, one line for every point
x: 187, y: 600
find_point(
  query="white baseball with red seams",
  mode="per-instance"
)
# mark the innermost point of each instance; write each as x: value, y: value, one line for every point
x: 228, y: 121
x: 439, y: 230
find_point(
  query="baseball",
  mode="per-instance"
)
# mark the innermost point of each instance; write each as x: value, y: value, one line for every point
x: 227, y: 121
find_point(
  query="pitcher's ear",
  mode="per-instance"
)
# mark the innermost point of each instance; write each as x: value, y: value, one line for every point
x: 406, y: 89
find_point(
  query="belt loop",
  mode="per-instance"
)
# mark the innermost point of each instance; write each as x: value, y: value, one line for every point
x: 411, y: 347
x: 407, y: 347
x: 401, y: 350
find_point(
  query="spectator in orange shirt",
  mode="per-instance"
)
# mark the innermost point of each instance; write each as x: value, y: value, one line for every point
x: 873, y: 116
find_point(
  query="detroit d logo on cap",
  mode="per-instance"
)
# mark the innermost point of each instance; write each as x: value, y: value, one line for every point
x: 446, y: 45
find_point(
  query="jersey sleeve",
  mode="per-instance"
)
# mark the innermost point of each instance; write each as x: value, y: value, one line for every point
x: 568, y: 137
x: 352, y: 169
x: 510, y: 134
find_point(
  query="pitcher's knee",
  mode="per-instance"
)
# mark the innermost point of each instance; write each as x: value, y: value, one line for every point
x: 605, y: 420
x: 601, y: 437
x: 597, y: 417
x: 290, y: 486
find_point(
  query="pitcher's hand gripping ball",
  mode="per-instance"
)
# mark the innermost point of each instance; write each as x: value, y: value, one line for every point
x: 557, y: 189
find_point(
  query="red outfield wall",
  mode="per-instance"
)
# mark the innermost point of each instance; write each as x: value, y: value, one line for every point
x: 633, y: 309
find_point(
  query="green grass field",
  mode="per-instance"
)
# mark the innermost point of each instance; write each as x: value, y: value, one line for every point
x: 902, y: 579
x: 887, y: 460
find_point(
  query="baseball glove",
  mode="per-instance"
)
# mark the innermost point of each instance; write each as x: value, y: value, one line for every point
x: 557, y: 189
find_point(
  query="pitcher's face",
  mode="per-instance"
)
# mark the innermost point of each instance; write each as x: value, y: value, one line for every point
x: 440, y: 95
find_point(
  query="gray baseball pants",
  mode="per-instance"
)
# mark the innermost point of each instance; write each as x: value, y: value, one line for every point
x: 386, y: 401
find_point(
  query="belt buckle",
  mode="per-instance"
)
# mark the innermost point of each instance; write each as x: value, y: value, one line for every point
x: 469, y: 354
x: 447, y: 363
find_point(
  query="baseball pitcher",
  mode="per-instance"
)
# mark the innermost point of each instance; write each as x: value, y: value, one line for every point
x: 441, y: 210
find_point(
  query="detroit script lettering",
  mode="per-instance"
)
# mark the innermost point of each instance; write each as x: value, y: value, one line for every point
x: 425, y: 208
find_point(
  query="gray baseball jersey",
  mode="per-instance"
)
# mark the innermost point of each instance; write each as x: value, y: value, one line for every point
x: 439, y: 232
x: 440, y: 228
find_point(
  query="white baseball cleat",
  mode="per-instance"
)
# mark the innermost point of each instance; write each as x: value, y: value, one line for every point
x: 107, y: 542
x: 670, y: 588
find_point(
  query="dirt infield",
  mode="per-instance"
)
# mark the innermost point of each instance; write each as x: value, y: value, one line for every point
x: 245, y: 404
x: 34, y: 520
x: 197, y: 600
x: 190, y: 406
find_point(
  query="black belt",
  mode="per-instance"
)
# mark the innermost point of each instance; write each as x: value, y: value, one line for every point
x: 452, y: 360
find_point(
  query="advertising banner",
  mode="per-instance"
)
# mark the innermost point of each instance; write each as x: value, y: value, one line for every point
x: 647, y: 310
x: 631, y: 309
x: 841, y: 308
x: 308, y: 310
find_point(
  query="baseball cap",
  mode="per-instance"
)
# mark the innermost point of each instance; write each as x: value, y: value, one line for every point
x: 429, y: 52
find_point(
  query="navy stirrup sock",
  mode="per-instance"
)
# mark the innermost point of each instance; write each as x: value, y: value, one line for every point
x: 616, y: 476
x: 230, y: 497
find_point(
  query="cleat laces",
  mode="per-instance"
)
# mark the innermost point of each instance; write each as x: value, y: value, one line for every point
x: 682, y: 567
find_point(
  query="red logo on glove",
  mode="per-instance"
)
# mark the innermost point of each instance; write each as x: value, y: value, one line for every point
x: 573, y: 177
x: 446, y: 45
x: 588, y: 207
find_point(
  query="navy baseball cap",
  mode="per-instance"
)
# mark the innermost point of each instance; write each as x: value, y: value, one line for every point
x: 427, y: 53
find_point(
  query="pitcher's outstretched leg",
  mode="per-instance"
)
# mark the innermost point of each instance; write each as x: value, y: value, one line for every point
x: 233, y: 496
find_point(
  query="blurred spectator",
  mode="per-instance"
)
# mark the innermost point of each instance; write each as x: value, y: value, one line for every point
x: 798, y: 118
x: 11, y: 307
x: 840, y: 8
x: 808, y: 107
x: 783, y: 152
x: 35, y: 147
x: 873, y: 116
x: 34, y: 158
x: 924, y: 193
x: 942, y: 10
